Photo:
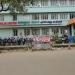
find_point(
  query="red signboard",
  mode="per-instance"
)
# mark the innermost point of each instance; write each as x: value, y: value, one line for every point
x: 8, y: 23
x: 41, y: 38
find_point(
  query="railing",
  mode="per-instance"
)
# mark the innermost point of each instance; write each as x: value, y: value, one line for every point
x: 39, y: 6
x: 40, y: 9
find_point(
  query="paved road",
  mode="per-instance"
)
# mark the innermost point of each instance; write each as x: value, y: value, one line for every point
x: 38, y: 63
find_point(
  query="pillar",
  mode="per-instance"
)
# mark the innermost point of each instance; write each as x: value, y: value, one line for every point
x: 30, y: 31
x: 40, y: 31
x: 59, y: 34
x: 72, y: 30
x: 49, y: 3
x: 50, y: 31
x: 68, y: 2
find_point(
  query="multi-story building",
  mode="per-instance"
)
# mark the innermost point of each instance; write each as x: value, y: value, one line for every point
x: 43, y: 17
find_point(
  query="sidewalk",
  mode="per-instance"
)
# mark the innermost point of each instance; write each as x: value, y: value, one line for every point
x: 23, y: 47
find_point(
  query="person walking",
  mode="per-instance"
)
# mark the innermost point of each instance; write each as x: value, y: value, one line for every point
x: 51, y: 43
x: 70, y: 40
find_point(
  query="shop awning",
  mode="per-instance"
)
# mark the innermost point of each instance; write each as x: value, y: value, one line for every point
x: 71, y: 21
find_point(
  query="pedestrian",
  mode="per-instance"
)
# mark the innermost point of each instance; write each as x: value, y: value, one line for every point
x: 51, y: 43
x: 70, y: 40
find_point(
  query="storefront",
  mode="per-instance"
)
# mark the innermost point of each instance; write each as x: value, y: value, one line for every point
x: 51, y: 27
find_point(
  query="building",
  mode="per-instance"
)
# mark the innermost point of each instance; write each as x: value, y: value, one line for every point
x: 43, y: 17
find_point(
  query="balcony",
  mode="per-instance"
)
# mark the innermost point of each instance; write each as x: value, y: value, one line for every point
x: 50, y: 9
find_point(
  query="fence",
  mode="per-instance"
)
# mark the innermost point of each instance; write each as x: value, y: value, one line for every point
x: 36, y: 42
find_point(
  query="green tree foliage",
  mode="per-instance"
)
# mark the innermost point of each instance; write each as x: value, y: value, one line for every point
x: 13, y: 5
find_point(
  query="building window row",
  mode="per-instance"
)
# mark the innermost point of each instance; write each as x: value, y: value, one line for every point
x: 35, y: 16
x: 72, y: 2
x: 72, y: 15
x: 58, y: 2
x: 44, y: 16
x: 63, y: 16
x: 39, y: 3
x: 53, y: 2
x: 44, y: 31
x: 14, y: 17
x: 54, y: 16
x: 49, y: 16
x: 1, y: 17
x: 40, y: 31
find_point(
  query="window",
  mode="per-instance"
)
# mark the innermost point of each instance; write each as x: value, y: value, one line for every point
x: 55, y: 30
x: 63, y: 16
x: 26, y: 31
x: 35, y: 31
x: 63, y: 2
x: 14, y: 17
x: 35, y: 16
x: 44, y: 2
x: 1, y: 17
x: 45, y: 31
x: 35, y: 3
x: 64, y: 30
x: 54, y: 16
x: 72, y: 2
x: 39, y: 3
x: 54, y: 2
x: 72, y: 15
x: 15, y: 32
x: 44, y: 16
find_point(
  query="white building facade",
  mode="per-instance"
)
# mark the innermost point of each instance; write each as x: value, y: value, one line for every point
x: 43, y: 17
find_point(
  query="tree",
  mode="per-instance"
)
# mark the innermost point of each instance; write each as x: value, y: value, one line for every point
x: 13, y: 5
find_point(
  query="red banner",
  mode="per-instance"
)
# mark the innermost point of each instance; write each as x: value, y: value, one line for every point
x: 8, y: 23
x: 42, y: 38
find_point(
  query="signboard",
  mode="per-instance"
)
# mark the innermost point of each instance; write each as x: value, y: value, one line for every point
x: 41, y: 42
x: 52, y: 22
x: 43, y: 38
x: 8, y: 23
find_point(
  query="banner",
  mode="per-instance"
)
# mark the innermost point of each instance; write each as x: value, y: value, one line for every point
x: 8, y: 23
x: 52, y: 22
x: 43, y: 38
